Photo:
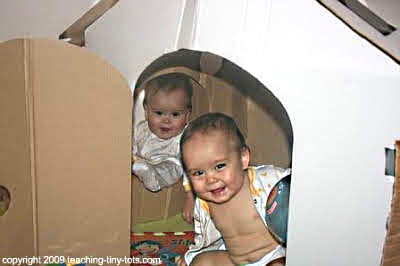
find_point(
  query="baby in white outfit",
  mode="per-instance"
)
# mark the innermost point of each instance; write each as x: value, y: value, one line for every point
x: 156, y: 160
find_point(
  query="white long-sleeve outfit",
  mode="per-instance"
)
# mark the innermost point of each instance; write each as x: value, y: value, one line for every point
x: 208, y: 237
x: 156, y: 161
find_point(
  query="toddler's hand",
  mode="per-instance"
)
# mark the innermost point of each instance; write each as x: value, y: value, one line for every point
x: 187, y: 212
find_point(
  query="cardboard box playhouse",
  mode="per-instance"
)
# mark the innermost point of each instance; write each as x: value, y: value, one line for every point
x: 212, y: 95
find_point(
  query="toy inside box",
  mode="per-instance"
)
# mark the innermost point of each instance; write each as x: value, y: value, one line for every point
x: 162, y: 246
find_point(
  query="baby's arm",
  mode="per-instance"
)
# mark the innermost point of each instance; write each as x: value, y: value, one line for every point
x: 207, y: 237
x: 187, y: 211
x: 188, y: 204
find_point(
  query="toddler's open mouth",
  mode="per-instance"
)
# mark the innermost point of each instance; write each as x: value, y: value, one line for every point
x: 218, y: 191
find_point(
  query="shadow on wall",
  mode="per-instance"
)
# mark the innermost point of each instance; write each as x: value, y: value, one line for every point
x: 225, y: 87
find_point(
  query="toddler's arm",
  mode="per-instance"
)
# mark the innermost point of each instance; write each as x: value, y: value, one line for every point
x: 188, y: 205
x: 187, y: 211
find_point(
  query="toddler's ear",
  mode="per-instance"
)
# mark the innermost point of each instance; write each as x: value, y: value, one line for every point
x: 145, y: 111
x: 245, y: 157
x: 187, y: 118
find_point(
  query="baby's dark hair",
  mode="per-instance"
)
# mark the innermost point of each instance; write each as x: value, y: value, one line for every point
x: 214, y: 121
x: 167, y: 83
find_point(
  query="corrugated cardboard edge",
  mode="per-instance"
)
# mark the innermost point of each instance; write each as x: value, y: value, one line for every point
x: 363, y: 29
x: 31, y: 135
x: 16, y: 228
x: 391, y: 254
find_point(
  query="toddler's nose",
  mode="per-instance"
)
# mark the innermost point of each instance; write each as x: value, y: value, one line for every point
x: 166, y: 119
x: 211, y: 178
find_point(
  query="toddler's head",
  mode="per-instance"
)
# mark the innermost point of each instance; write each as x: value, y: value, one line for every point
x: 168, y: 104
x: 215, y: 156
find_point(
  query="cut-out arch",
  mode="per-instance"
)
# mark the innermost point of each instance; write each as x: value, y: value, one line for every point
x: 262, y: 117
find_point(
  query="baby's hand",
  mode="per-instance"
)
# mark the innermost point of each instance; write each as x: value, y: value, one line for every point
x: 187, y: 212
x: 180, y: 261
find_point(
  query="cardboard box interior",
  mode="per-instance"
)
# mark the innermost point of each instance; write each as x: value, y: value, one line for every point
x: 224, y: 87
x: 269, y: 141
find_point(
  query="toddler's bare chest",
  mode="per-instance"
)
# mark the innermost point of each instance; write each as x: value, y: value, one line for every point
x: 244, y: 233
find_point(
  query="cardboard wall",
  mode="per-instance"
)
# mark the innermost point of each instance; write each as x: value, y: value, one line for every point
x: 149, y: 206
x: 340, y: 93
x: 66, y: 155
x: 266, y: 139
x: 375, y: 20
x: 17, y: 226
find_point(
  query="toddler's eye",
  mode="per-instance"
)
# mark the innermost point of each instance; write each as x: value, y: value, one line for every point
x: 158, y: 112
x: 220, y: 166
x: 176, y: 114
x: 198, y: 173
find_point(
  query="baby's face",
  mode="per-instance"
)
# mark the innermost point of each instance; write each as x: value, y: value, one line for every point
x: 167, y: 113
x: 214, y: 166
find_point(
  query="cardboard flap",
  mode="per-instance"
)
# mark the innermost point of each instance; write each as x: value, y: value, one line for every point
x: 76, y: 32
x: 68, y: 124
x: 82, y: 108
x: 375, y: 20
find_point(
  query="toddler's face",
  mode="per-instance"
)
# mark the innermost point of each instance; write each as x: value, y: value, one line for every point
x: 167, y: 113
x: 214, y: 166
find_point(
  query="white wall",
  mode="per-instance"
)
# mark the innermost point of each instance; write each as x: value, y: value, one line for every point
x: 340, y: 93
x: 134, y: 33
x: 39, y: 18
